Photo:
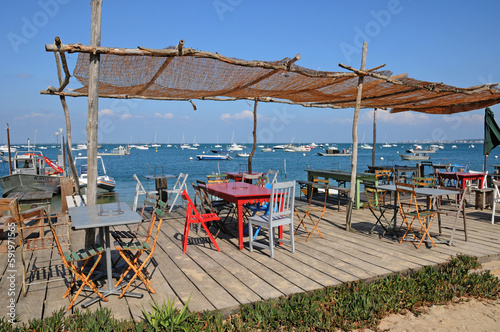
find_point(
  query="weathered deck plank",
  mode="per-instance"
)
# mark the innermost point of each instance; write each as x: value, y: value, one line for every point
x: 226, y: 279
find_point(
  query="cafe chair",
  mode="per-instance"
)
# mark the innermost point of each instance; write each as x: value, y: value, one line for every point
x: 76, y: 261
x: 312, y: 212
x: 411, y: 211
x: 424, y: 182
x: 217, y: 178
x: 272, y: 176
x: 132, y: 251
x: 179, y: 186
x: 378, y: 206
x: 281, y: 212
x: 256, y: 208
x: 194, y: 217
x: 250, y: 177
x: 496, y: 199
x: 140, y: 190
x: 219, y: 207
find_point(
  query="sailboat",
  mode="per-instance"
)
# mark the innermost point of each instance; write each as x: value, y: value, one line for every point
x: 218, y: 145
x: 184, y: 145
x: 155, y: 145
x: 364, y: 145
x: 194, y: 143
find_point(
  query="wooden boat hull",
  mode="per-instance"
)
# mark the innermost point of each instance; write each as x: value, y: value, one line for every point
x: 29, y: 183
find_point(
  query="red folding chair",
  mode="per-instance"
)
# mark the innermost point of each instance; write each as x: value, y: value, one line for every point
x: 194, y: 217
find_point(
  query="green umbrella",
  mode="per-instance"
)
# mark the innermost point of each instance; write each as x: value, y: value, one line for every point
x: 491, y: 133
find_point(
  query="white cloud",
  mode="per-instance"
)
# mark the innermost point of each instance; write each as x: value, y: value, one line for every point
x: 111, y: 113
x: 164, y: 116
x: 403, y: 118
x: 36, y: 115
x: 246, y: 114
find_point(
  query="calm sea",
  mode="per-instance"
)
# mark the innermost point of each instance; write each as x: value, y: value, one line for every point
x: 174, y: 160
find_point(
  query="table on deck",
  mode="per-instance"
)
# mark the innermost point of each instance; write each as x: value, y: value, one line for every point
x: 429, y: 193
x: 83, y: 217
x: 341, y: 176
x: 240, y: 193
x: 462, y: 178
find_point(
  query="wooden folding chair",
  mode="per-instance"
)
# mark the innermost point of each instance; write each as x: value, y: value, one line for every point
x: 410, y: 211
x: 194, y: 217
x: 133, y: 250
x: 311, y: 210
x: 72, y: 260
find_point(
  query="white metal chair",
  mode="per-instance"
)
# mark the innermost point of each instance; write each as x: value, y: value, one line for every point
x: 281, y: 207
x: 139, y: 190
x: 272, y: 176
x: 496, y: 199
x: 179, y: 186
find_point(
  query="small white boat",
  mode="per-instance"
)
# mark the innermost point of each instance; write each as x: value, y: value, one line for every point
x: 279, y: 147
x: 387, y: 145
x: 104, y: 181
x: 333, y: 151
x: 365, y: 146
x: 453, y: 146
x: 243, y: 154
x: 236, y: 147
x: 415, y: 156
x: 214, y: 157
x: 267, y: 150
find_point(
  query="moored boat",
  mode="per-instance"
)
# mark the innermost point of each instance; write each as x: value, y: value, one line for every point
x: 333, y: 151
x: 415, y: 156
x: 30, y: 173
x: 104, y: 181
x: 214, y: 157
x: 243, y: 154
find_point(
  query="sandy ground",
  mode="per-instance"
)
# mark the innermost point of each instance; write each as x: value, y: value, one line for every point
x: 472, y: 315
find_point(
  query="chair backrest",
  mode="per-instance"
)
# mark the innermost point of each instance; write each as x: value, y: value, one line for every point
x: 181, y: 182
x: 485, y: 177
x: 496, y: 184
x: 420, y: 181
x: 262, y: 181
x: 247, y: 176
x: 460, y: 168
x: 383, y: 176
x: 9, y: 204
x: 158, y: 214
x: 404, y: 189
x: 217, y: 178
x: 282, y: 200
x: 191, y: 208
x: 272, y: 176
x: 58, y: 244
x: 139, y: 187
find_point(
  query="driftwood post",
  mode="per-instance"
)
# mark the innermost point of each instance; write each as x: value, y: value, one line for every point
x: 254, y: 136
x: 93, y: 101
x: 66, y: 113
x: 374, y: 135
x: 352, y: 192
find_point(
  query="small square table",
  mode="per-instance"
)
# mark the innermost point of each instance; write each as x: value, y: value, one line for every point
x: 83, y: 217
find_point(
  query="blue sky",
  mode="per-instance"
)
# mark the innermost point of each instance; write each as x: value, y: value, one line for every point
x: 455, y: 42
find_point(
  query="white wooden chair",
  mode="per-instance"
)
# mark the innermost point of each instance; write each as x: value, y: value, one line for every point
x: 272, y: 176
x: 496, y: 199
x: 281, y: 207
x: 474, y: 184
x: 139, y: 190
x: 179, y: 186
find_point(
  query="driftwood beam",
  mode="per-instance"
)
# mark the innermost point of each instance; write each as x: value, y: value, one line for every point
x: 434, y: 87
x: 172, y: 52
x: 179, y: 47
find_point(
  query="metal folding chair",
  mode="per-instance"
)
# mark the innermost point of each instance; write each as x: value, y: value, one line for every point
x: 312, y: 212
x: 410, y: 211
x: 133, y: 250
x: 194, y: 217
x: 72, y: 260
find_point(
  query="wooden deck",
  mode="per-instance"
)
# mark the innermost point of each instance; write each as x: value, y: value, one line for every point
x: 224, y: 280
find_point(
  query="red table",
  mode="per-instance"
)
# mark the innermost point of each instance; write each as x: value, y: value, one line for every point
x: 240, y: 193
x: 237, y: 176
x: 462, y: 178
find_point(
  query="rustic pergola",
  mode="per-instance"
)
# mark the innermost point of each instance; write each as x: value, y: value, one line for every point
x: 185, y: 74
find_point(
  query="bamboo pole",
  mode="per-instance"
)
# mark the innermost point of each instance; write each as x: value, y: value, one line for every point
x: 352, y: 192
x: 374, y: 135
x: 254, y: 137
x: 8, y: 148
x: 93, y: 106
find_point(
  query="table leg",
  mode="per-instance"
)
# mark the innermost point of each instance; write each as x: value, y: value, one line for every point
x: 240, y: 224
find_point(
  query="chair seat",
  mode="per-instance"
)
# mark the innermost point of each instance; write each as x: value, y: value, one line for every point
x: 423, y: 214
x: 206, y: 217
x: 82, y: 254
x: 264, y: 220
x: 45, y: 242
x: 137, y: 245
